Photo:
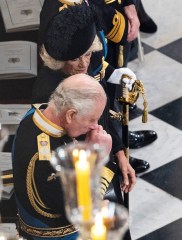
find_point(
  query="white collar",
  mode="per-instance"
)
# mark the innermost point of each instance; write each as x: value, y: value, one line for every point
x: 45, y: 124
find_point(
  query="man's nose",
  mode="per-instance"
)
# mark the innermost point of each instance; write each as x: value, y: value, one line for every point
x: 83, y: 62
x: 94, y: 126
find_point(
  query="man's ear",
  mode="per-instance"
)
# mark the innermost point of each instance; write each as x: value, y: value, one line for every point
x: 70, y: 115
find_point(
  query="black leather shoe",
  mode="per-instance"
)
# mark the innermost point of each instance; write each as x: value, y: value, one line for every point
x: 138, y: 139
x: 139, y: 165
x: 148, y: 26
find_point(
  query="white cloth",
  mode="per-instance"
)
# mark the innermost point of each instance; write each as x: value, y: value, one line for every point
x: 116, y: 77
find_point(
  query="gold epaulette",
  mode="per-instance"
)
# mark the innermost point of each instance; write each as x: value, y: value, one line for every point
x: 116, y: 33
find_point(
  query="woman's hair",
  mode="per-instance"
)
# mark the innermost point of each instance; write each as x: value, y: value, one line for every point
x: 82, y: 98
x: 56, y: 64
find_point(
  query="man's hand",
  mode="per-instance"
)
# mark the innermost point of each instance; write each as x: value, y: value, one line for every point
x: 134, y: 22
x: 101, y: 137
x: 128, y: 173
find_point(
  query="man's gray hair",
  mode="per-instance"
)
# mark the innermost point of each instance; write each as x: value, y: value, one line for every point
x: 79, y: 97
x: 56, y: 64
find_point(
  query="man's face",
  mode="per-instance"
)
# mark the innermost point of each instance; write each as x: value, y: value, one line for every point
x: 78, y: 65
x: 83, y: 124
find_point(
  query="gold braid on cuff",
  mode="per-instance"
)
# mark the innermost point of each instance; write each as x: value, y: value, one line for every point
x: 46, y: 232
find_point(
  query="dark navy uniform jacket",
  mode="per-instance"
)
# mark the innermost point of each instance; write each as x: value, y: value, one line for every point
x: 39, y: 197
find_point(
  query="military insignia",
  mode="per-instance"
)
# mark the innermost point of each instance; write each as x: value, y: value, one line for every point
x: 117, y: 31
x: 44, y: 149
x: 51, y: 177
x: 106, y: 177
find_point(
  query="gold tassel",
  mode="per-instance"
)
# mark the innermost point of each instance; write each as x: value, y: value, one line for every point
x: 120, y: 57
x: 145, y: 112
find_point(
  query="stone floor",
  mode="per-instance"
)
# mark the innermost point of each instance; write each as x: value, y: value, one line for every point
x: 156, y: 201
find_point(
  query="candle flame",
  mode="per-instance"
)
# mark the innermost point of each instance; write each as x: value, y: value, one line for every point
x: 98, y: 219
x: 2, y: 237
x: 98, y: 230
x: 82, y: 162
x: 75, y: 155
x: 104, y: 211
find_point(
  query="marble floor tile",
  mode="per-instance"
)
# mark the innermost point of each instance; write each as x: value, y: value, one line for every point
x: 170, y: 113
x: 151, y: 208
x: 172, y: 50
x: 168, y: 232
x: 163, y: 150
x: 161, y: 77
x: 155, y: 205
x: 167, y: 177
